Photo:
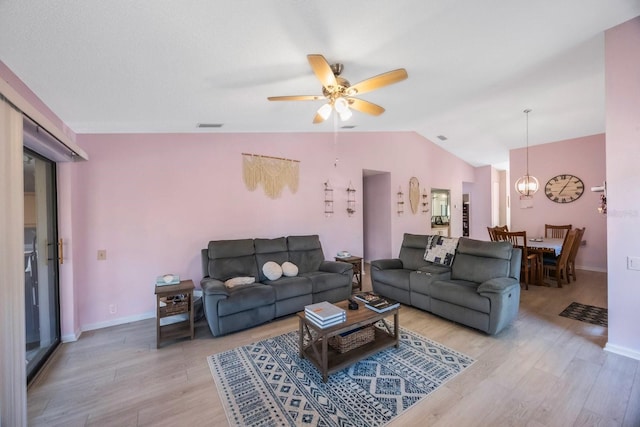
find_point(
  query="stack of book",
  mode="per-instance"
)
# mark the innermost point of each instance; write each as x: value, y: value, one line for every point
x: 324, y: 314
x: 376, y: 302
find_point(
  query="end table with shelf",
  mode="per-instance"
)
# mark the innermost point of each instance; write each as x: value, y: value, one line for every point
x: 356, y: 261
x: 174, y: 311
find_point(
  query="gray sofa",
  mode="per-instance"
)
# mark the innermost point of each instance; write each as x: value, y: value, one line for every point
x: 481, y: 289
x: 229, y: 310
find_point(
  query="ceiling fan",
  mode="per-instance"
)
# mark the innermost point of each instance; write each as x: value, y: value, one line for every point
x: 339, y: 93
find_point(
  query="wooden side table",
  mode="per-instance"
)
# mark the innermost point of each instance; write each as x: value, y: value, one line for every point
x: 174, y: 300
x: 356, y: 261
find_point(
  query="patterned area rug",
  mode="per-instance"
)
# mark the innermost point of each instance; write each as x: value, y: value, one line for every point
x: 267, y: 384
x: 586, y: 313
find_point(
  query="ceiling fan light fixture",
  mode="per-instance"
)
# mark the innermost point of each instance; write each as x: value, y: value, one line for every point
x: 341, y: 105
x: 345, y: 115
x: 325, y: 111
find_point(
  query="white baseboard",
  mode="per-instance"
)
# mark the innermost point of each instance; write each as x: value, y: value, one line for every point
x: 119, y: 321
x: 588, y: 268
x: 72, y: 337
x: 623, y: 351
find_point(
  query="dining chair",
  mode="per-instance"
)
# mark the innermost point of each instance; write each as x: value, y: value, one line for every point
x: 571, y: 262
x: 491, y: 230
x: 556, y: 231
x: 558, y: 266
x: 529, y: 264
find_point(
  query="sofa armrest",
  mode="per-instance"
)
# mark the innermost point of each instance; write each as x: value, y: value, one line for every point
x: 498, y: 285
x: 336, y: 267
x: 213, y: 287
x: 387, y: 264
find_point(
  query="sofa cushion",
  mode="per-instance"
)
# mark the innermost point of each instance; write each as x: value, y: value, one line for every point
x: 323, y: 281
x: 289, y: 287
x: 289, y: 269
x: 398, y: 278
x: 239, y: 281
x: 231, y: 258
x: 270, y: 250
x: 247, y: 297
x: 272, y: 270
x: 441, y: 250
x: 412, y: 251
x: 305, y: 252
x: 461, y: 293
x: 478, y: 261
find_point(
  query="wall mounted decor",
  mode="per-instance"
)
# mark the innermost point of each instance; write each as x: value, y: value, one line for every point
x: 328, y: 199
x: 351, y: 200
x: 414, y: 194
x: 564, y: 188
x: 272, y: 172
x: 425, y: 201
x: 400, y: 201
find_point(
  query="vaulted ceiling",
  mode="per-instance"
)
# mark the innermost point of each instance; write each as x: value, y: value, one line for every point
x: 167, y: 65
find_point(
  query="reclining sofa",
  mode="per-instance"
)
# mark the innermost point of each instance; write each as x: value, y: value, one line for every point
x: 230, y: 309
x: 481, y: 288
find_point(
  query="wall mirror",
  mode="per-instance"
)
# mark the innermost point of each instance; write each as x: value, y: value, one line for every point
x: 440, y: 207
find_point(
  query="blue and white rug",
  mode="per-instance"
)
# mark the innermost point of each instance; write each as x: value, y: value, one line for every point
x: 267, y: 384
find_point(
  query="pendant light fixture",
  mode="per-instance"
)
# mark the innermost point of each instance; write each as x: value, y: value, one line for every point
x: 527, y: 185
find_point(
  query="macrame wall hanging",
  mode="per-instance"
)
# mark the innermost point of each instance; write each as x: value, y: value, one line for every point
x: 272, y: 172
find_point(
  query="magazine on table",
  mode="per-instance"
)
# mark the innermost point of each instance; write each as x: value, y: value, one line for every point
x: 382, y: 304
x: 366, y: 296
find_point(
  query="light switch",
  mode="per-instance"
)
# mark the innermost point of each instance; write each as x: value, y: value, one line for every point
x: 633, y: 263
x: 102, y: 254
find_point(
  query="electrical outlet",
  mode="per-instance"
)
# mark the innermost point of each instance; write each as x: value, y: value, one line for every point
x: 113, y: 308
x: 102, y: 254
x: 633, y: 263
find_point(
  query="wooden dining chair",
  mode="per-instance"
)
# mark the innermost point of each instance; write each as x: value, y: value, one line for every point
x: 558, y: 266
x: 491, y: 230
x: 556, y: 231
x: 571, y: 262
x: 529, y: 264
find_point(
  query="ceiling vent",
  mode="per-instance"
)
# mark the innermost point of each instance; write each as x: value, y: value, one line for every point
x: 348, y: 127
x: 209, y: 125
x: 442, y: 137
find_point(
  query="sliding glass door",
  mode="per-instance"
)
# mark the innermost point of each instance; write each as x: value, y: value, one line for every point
x: 42, y: 308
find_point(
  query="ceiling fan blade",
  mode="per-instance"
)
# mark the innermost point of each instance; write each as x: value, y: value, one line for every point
x: 318, y: 119
x: 378, y: 81
x: 365, y: 106
x: 323, y: 71
x: 296, y: 98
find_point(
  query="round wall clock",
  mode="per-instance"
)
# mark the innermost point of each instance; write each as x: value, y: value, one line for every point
x: 564, y: 188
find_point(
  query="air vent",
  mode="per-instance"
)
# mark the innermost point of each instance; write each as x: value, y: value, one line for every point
x: 209, y: 125
x: 442, y: 137
x: 348, y: 127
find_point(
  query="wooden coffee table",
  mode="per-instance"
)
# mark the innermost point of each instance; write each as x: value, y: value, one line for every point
x: 327, y: 359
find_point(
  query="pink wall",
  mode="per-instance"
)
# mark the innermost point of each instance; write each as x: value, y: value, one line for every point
x: 480, y: 204
x: 582, y: 157
x: 154, y: 200
x: 622, y: 68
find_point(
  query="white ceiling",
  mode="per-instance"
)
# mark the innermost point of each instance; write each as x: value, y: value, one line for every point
x: 167, y: 65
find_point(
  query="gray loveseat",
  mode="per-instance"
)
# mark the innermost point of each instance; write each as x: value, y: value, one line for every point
x: 232, y: 309
x: 481, y: 289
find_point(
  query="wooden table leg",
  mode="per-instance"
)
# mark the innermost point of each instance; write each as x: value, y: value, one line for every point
x: 325, y: 360
x: 396, y: 328
x: 301, y: 338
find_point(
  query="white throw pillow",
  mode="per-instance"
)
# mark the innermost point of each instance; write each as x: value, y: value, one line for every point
x: 441, y: 250
x: 272, y: 270
x: 289, y: 269
x: 237, y: 281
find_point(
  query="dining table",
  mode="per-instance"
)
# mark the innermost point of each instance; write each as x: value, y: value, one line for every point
x: 544, y: 245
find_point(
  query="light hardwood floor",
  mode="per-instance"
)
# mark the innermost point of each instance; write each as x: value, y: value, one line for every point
x: 544, y: 370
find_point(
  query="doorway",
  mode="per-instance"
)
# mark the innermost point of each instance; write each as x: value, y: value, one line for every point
x: 42, y: 308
